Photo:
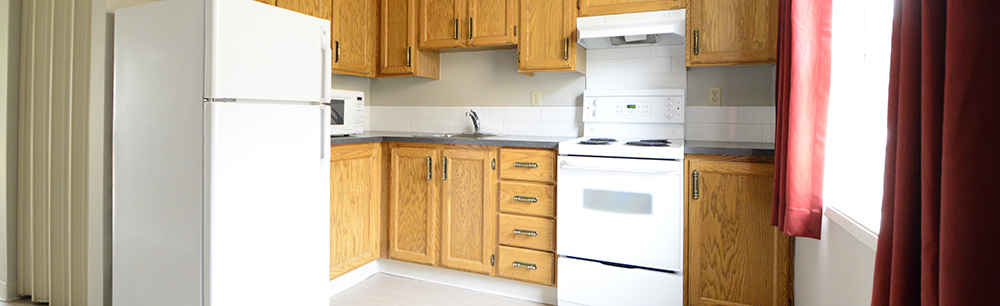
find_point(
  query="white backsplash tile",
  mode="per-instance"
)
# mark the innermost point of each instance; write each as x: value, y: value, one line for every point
x: 401, y: 125
x: 514, y: 114
x: 654, y: 81
x: 432, y: 126
x: 636, y: 52
x: 677, y: 50
x: 757, y: 114
x: 723, y: 132
x: 768, y: 130
x: 458, y: 113
x: 569, y: 129
x: 562, y: 113
x: 381, y: 112
x: 606, y: 82
x: 712, y: 114
x: 638, y: 65
x: 420, y: 112
x: 530, y: 128
x: 596, y: 67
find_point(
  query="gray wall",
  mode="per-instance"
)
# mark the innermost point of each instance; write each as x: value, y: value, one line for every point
x: 835, y: 271
x: 479, y: 78
x: 741, y: 85
x: 10, y: 13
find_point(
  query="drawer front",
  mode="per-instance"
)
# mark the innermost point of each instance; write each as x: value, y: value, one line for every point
x: 527, y: 265
x: 528, y: 164
x: 528, y: 232
x: 528, y: 199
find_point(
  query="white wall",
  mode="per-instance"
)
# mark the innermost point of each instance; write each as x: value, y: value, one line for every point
x: 835, y: 271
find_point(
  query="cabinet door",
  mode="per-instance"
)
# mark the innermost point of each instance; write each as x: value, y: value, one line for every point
x: 355, y: 36
x: 608, y: 7
x: 355, y: 202
x: 468, y: 220
x: 546, y: 40
x: 413, y: 205
x: 734, y: 256
x: 315, y: 8
x: 441, y: 23
x: 271, y: 2
x: 724, y: 32
x: 398, y: 48
x: 491, y: 22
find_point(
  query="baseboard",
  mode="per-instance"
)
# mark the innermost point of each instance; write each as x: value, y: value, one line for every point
x: 471, y: 281
x: 353, y: 277
x: 8, y: 291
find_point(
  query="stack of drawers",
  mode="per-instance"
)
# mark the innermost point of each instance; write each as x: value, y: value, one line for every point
x: 527, y: 226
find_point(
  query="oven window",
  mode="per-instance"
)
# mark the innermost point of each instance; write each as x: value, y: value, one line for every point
x: 336, y: 112
x: 618, y: 202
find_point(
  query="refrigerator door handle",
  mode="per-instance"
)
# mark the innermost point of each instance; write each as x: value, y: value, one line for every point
x: 324, y: 132
x: 326, y: 70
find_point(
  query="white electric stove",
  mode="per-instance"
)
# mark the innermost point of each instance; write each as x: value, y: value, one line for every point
x: 620, y: 201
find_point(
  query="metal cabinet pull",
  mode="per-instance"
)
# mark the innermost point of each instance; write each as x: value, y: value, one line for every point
x: 456, y: 28
x: 336, y: 52
x: 444, y: 174
x: 409, y: 57
x: 518, y: 231
x: 525, y: 199
x: 515, y: 30
x: 525, y: 165
x: 696, y: 40
x: 430, y: 166
x: 529, y: 266
x: 694, y: 184
x: 566, y: 51
x: 470, y: 27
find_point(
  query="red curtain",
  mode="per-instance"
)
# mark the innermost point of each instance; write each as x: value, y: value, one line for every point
x: 938, y: 243
x: 802, y: 96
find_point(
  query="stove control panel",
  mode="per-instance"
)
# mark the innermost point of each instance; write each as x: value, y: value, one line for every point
x: 640, y: 109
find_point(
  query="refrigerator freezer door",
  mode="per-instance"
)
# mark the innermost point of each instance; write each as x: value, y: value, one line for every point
x: 260, y: 52
x: 268, y: 215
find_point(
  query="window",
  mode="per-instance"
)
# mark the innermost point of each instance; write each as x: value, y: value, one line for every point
x: 856, y: 130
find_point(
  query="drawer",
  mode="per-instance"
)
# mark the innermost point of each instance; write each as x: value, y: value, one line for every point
x: 528, y: 198
x: 527, y: 265
x: 528, y: 164
x: 528, y: 232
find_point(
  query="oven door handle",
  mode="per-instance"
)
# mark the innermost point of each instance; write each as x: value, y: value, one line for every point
x: 564, y: 165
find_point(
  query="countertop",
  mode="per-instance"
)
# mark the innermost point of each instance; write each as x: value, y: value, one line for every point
x: 551, y: 142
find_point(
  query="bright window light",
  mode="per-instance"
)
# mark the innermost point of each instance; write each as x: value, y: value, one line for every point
x: 856, y: 131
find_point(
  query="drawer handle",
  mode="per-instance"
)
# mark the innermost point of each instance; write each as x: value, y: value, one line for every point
x: 525, y: 199
x: 529, y: 266
x: 525, y: 165
x: 518, y: 231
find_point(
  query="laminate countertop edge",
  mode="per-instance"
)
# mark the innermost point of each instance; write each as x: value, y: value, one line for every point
x: 728, y: 148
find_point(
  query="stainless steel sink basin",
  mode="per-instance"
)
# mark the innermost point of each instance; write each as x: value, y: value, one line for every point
x: 462, y: 135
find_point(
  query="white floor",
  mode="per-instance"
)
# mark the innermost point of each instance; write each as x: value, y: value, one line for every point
x: 389, y: 290
x: 21, y: 302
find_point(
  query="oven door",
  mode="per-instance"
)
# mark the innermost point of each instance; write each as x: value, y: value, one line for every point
x: 618, y: 210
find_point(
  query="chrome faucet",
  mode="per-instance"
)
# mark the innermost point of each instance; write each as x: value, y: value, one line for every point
x: 475, y: 119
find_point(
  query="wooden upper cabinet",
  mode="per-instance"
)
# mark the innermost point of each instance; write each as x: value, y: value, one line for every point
x: 468, y: 215
x: 271, y: 2
x: 546, y: 36
x: 355, y: 206
x: 466, y: 23
x: 413, y: 205
x: 399, y: 55
x: 608, y: 7
x: 315, y: 8
x: 725, y: 32
x: 355, y: 37
x: 733, y: 255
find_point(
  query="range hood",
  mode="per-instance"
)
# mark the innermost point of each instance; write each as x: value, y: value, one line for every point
x: 631, y: 30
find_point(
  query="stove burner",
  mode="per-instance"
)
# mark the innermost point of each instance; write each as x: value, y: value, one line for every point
x: 646, y: 143
x: 593, y: 142
x: 656, y: 140
x: 603, y: 139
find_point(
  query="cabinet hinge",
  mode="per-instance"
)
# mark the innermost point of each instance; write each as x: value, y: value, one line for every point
x: 493, y: 260
x: 694, y: 184
x: 493, y: 164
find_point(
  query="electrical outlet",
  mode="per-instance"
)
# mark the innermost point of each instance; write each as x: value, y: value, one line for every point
x: 536, y: 98
x: 715, y: 96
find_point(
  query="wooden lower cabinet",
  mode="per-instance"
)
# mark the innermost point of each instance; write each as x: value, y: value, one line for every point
x: 355, y: 206
x: 527, y: 265
x: 733, y: 255
x: 527, y: 225
x: 442, y: 206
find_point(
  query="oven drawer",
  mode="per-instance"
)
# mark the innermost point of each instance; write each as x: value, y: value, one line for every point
x: 528, y: 232
x: 528, y: 164
x: 528, y: 199
x: 527, y: 265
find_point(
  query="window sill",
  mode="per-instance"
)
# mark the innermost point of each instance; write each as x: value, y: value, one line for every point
x: 859, y: 232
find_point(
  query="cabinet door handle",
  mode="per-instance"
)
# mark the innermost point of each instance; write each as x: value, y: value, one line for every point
x: 525, y: 165
x: 430, y: 166
x: 336, y: 52
x: 529, y: 266
x: 515, y: 30
x: 444, y: 174
x: 409, y: 57
x: 694, y: 185
x: 470, y: 27
x: 523, y: 232
x: 695, y: 41
x: 566, y: 51
x: 525, y: 199
x: 456, y: 28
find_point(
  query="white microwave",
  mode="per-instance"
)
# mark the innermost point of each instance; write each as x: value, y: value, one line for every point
x: 347, y: 112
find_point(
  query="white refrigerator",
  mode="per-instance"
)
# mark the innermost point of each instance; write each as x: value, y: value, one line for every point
x: 220, y: 155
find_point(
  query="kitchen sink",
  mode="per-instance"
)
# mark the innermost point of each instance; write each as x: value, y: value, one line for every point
x: 462, y: 135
